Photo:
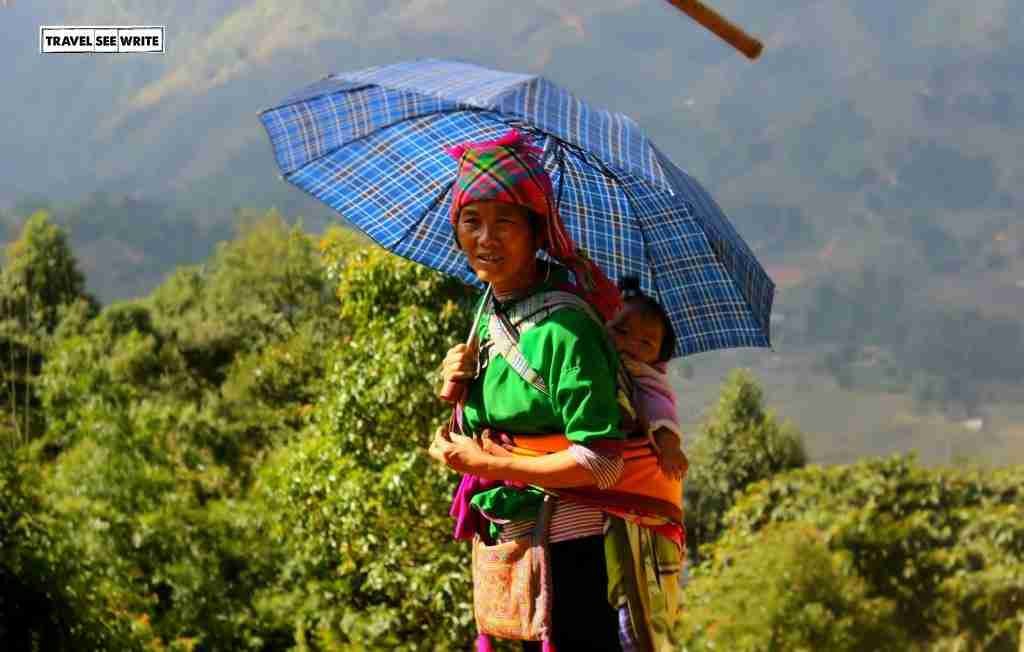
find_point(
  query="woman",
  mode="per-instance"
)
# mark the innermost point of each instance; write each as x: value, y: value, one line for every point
x: 503, y: 215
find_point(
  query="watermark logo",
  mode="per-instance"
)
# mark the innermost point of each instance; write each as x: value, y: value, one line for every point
x: 109, y: 39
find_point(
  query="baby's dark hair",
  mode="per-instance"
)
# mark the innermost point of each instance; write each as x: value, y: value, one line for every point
x: 649, y: 306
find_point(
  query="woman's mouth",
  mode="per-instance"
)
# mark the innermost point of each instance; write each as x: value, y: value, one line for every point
x: 490, y: 259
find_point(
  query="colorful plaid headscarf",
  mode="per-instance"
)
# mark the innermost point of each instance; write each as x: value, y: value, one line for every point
x: 510, y: 170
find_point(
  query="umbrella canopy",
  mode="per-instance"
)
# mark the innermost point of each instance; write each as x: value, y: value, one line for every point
x: 371, y: 145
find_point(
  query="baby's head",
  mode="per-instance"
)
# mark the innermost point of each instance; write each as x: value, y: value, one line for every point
x: 641, y: 330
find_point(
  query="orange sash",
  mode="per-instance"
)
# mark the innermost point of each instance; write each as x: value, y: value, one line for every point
x: 644, y: 493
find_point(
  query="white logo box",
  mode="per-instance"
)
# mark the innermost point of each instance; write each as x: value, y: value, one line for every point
x: 102, y: 39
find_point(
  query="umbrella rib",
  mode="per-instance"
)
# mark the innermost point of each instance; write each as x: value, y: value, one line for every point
x: 347, y: 143
x: 705, y: 228
x: 430, y: 209
x: 748, y: 258
x: 583, y: 154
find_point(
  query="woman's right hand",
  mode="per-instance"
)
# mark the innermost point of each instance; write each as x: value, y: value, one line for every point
x: 459, y: 363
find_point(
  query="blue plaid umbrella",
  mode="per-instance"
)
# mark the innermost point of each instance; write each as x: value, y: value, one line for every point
x: 370, y: 144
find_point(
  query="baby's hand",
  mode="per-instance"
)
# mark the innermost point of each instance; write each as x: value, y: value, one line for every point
x: 671, y: 457
x: 673, y: 462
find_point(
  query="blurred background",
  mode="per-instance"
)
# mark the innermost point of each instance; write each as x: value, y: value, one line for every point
x: 870, y: 157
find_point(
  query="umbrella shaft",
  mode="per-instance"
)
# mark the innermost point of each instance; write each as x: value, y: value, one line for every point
x: 479, y: 313
x: 718, y: 24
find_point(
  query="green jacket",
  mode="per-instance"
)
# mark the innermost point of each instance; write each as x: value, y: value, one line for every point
x: 575, y: 357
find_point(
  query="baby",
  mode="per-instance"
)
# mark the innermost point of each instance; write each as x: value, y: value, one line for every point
x: 643, y: 336
x: 645, y: 340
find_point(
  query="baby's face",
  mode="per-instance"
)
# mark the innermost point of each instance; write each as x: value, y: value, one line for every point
x: 636, y: 334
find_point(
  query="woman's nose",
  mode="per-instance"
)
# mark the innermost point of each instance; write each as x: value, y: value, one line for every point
x: 486, y: 234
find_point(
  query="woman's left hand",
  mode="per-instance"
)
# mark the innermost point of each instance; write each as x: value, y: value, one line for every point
x: 459, y: 453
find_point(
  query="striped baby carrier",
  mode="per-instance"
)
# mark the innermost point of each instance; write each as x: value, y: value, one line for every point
x: 643, y: 494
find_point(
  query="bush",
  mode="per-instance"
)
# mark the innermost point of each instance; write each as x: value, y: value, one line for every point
x: 946, y: 546
x: 52, y: 597
x: 783, y: 588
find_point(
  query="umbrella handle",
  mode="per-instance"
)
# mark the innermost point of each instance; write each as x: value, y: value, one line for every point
x: 718, y: 24
x: 455, y: 390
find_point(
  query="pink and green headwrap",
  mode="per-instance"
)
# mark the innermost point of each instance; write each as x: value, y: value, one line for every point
x: 510, y: 170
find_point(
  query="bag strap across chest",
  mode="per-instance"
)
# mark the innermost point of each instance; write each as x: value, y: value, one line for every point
x: 506, y: 327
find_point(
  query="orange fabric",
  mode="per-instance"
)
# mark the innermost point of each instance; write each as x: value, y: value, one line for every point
x: 644, y: 493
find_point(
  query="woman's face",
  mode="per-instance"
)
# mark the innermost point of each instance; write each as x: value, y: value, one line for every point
x: 637, y: 334
x: 499, y: 242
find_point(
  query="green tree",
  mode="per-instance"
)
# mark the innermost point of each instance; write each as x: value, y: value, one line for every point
x: 106, y: 366
x: 783, y: 588
x: 40, y: 277
x: 256, y: 289
x: 39, y: 283
x: 945, y: 546
x: 158, y: 519
x: 740, y: 443
x: 357, y: 509
x: 160, y: 410
x: 49, y: 597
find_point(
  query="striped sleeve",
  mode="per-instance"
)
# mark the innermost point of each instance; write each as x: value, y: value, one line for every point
x: 606, y: 469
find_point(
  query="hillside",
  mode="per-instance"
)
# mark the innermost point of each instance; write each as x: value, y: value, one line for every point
x: 870, y: 157
x: 843, y: 103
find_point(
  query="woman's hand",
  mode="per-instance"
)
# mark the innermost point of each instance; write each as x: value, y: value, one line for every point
x: 460, y: 362
x: 492, y: 446
x: 491, y: 461
x: 459, y: 453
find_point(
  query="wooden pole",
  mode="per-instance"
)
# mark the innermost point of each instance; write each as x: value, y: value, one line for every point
x: 718, y: 24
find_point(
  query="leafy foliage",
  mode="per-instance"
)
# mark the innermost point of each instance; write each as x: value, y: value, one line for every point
x: 51, y: 597
x: 39, y: 283
x: 236, y: 462
x: 783, y: 588
x: 158, y: 411
x: 945, y: 546
x: 40, y: 275
x: 739, y: 444
x: 255, y: 290
x: 358, y: 510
